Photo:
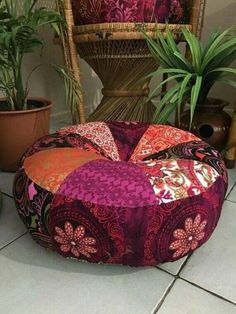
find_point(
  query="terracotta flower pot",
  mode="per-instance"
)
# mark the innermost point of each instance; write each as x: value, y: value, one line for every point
x: 19, y: 130
x: 113, y: 11
x: 211, y: 123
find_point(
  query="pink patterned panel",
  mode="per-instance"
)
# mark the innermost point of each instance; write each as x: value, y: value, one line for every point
x: 110, y: 11
x: 99, y: 134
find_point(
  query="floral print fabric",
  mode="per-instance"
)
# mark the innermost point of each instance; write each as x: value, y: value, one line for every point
x: 74, y: 241
x: 121, y: 193
x: 111, y: 11
x: 189, y: 237
x: 175, y: 179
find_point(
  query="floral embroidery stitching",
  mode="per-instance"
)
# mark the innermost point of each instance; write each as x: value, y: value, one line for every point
x: 188, y: 238
x: 74, y: 241
x: 108, y: 11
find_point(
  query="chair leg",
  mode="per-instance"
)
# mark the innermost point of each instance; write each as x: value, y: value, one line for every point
x: 230, y: 158
x: 230, y: 155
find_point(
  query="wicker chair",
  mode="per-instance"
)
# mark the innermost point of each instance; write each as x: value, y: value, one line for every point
x: 119, y: 55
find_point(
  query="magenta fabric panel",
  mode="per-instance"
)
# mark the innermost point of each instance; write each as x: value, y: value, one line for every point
x: 113, y: 11
x: 127, y: 136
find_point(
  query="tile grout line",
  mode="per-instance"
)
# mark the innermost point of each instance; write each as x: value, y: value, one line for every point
x: 177, y: 276
x: 184, y: 264
x: 231, y: 201
x: 158, y: 306
x: 165, y: 271
x: 7, y: 195
x: 228, y: 194
x: 6, y: 245
x: 208, y: 291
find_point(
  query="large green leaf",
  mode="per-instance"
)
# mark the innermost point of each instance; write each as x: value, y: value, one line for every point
x: 195, y: 48
x: 165, y: 101
x: 166, y: 71
x: 216, y: 39
x: 155, y: 93
x: 182, y: 91
x: 223, y: 69
x: 171, y: 42
x: 194, y: 97
x: 163, y: 118
x: 157, y: 51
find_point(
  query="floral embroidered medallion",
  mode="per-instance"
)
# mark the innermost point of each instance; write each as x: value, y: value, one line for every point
x: 189, y: 237
x: 74, y: 241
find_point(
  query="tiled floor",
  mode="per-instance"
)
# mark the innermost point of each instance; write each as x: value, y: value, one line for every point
x: 34, y: 280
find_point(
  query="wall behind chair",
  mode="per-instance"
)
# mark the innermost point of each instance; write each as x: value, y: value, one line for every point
x: 220, y: 15
x: 46, y: 83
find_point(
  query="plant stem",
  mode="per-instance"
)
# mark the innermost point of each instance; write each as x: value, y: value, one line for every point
x: 20, y: 101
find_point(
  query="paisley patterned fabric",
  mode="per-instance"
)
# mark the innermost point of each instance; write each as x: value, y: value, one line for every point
x: 121, y: 193
x: 113, y: 11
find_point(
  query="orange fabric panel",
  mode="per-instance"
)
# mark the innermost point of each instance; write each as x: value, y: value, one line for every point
x: 160, y: 137
x: 49, y: 168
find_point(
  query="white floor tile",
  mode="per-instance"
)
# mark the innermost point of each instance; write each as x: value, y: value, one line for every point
x: 11, y: 227
x: 6, y: 182
x: 232, y: 179
x: 174, y: 267
x: 232, y: 196
x: 213, y: 266
x: 187, y: 299
x: 40, y: 281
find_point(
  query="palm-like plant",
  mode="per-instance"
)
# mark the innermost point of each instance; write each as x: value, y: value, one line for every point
x: 193, y: 76
x: 19, y: 35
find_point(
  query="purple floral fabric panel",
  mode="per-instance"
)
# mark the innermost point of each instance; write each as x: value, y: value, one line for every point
x: 110, y: 11
x: 109, y: 183
x: 127, y: 136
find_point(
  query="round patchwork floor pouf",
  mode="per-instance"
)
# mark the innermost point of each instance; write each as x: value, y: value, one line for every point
x: 125, y: 193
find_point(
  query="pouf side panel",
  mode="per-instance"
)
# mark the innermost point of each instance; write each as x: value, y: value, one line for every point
x: 98, y: 133
x: 102, y: 11
x: 126, y: 136
x: 180, y: 227
x: 76, y: 233
x: 137, y: 237
x: 158, y: 138
x: 33, y: 204
x: 118, y: 232
x: 50, y: 168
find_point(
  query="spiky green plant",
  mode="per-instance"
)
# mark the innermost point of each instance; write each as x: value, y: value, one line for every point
x: 20, y: 35
x: 193, y: 77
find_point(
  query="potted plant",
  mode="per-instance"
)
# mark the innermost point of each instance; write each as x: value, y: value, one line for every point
x: 193, y: 75
x: 22, y: 119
